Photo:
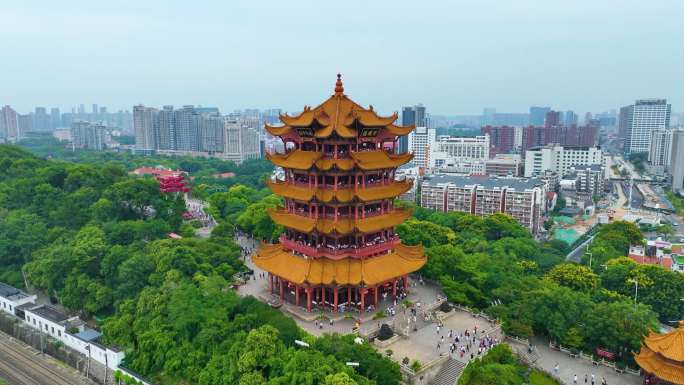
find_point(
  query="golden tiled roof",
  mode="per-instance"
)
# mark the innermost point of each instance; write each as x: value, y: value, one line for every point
x: 669, y: 345
x: 375, y: 160
x: 653, y: 363
x: 368, y: 194
x: 348, y: 271
x: 343, y: 225
x: 338, y: 114
x: 365, y: 160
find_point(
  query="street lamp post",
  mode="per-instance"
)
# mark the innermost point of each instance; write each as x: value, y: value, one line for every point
x: 636, y: 290
x: 591, y: 257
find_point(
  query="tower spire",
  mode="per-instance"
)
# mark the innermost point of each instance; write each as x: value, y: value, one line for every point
x: 339, y: 89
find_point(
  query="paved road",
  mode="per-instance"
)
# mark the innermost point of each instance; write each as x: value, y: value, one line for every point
x: 21, y: 365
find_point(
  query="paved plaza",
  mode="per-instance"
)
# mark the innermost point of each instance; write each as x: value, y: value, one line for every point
x: 421, y: 344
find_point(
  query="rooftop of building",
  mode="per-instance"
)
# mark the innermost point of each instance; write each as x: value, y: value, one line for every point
x: 554, y: 145
x: 49, y: 312
x: 488, y: 182
x: 88, y: 335
x: 583, y: 167
x: 10, y: 292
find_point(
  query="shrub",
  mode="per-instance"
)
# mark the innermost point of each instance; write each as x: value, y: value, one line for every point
x: 405, y: 360
x: 389, y: 352
x: 415, y: 366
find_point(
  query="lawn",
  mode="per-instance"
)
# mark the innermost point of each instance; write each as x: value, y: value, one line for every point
x: 541, y: 378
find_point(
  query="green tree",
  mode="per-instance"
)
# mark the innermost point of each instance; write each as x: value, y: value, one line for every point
x: 574, y: 276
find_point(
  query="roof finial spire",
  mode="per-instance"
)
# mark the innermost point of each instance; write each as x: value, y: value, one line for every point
x: 339, y: 89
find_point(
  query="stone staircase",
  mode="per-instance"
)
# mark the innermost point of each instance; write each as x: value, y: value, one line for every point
x: 450, y: 372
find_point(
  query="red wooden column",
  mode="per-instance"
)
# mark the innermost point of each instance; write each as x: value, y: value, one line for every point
x: 282, y: 288
x: 296, y: 295
x: 270, y: 283
x: 308, y: 298
x: 362, y: 291
x: 322, y: 296
x: 394, y: 288
x: 375, y: 292
x: 335, y: 299
x: 349, y: 293
x: 406, y: 283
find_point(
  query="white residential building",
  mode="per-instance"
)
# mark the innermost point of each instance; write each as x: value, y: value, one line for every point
x: 459, y: 154
x: 523, y: 199
x: 11, y: 298
x: 640, y: 119
x: 144, y: 126
x: 560, y: 159
x: 241, y: 142
x: 421, y: 141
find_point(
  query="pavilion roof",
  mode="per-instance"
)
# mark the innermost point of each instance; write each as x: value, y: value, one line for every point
x: 365, y: 160
x: 342, y: 225
x: 663, y: 355
x: 367, y: 194
x: 669, y: 345
x: 338, y: 114
x: 348, y: 271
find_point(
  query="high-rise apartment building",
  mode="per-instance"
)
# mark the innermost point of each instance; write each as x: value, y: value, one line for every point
x: 41, y: 120
x: 560, y: 159
x: 89, y: 136
x: 187, y: 129
x: 538, y: 115
x: 55, y: 118
x: 212, y: 128
x: 460, y: 154
x: 165, y: 129
x: 552, y: 119
x: 9, y: 125
x: 144, y: 121
x: 415, y: 115
x: 660, y: 151
x: 677, y: 161
x: 25, y: 123
x: 640, y: 119
x: 533, y: 136
x: 420, y: 142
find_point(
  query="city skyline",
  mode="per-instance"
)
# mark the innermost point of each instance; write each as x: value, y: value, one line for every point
x: 479, y: 55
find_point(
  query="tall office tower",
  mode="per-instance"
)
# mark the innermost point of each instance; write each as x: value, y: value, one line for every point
x: 212, y: 133
x: 165, y: 129
x: 488, y: 116
x: 241, y: 142
x: 571, y: 118
x: 187, y: 129
x: 415, y: 115
x: 25, y: 124
x: 624, y: 119
x: 271, y: 115
x: 661, y: 150
x: 552, y: 119
x: 677, y: 161
x: 421, y: 141
x: 538, y: 115
x: 143, y: 125
x: 55, y: 118
x: 641, y: 118
x: 9, y: 126
x: 89, y: 136
x: 81, y: 111
x: 95, y: 110
x: 501, y: 139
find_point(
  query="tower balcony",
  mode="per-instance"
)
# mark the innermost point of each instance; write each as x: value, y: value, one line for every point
x: 339, y: 253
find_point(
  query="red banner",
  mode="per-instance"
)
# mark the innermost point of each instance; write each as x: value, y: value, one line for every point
x: 605, y: 353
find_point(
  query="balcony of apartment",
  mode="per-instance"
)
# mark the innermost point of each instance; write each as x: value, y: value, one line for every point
x: 373, y: 247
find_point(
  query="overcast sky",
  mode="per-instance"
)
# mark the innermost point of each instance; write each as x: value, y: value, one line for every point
x: 453, y: 56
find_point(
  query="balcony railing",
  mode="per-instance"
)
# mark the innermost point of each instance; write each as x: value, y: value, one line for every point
x: 325, y: 251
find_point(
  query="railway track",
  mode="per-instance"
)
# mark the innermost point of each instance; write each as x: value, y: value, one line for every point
x: 21, y: 366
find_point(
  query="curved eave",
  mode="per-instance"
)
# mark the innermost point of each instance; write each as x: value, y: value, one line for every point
x: 349, y: 271
x: 376, y: 160
x: 341, y: 130
x: 300, y: 160
x: 400, y: 130
x: 369, y: 118
x: 342, y: 225
x: 277, y: 130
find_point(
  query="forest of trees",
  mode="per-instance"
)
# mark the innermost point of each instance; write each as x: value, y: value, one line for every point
x: 95, y: 239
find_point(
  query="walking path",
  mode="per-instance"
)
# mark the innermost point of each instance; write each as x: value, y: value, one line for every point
x: 568, y: 367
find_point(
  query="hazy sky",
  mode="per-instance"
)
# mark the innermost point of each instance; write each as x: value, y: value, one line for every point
x: 453, y: 56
